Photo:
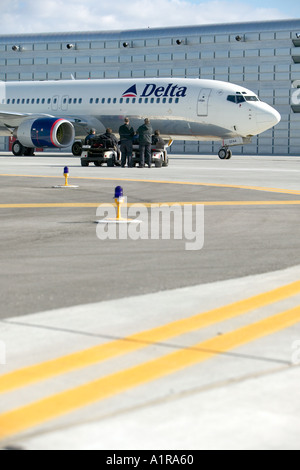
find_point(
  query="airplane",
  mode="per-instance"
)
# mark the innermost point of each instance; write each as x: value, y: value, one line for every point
x: 53, y: 114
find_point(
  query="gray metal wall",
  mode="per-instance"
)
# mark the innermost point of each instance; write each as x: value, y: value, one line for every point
x: 266, y: 60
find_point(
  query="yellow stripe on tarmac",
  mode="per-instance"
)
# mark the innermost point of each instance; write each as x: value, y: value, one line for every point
x: 97, y: 354
x: 65, y: 402
x: 147, y: 205
x: 182, y: 183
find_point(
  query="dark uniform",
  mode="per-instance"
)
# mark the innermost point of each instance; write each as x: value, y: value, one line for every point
x: 126, y: 136
x: 111, y: 139
x: 145, y: 139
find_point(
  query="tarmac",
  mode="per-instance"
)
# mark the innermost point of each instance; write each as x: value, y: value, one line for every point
x: 150, y: 338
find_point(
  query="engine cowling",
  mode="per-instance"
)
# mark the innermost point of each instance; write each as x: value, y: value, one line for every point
x: 46, y: 132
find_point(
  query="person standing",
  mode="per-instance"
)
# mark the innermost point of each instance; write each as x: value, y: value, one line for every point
x: 145, y: 140
x: 126, y: 136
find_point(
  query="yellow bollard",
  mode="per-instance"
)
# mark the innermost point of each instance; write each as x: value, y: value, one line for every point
x: 119, y: 199
x: 66, y: 175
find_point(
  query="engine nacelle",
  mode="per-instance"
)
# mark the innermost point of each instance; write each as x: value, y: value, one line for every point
x: 46, y: 132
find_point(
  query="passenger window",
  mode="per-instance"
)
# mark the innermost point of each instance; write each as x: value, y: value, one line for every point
x: 80, y: 100
x: 115, y: 100
x: 91, y: 101
x: 152, y: 100
x: 109, y: 100
x: 97, y: 100
x: 121, y: 100
x: 103, y: 100
x: 133, y: 100
x: 164, y: 100
x: 127, y: 100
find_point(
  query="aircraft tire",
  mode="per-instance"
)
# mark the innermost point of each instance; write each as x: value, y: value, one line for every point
x: 223, y: 153
x: 17, y: 149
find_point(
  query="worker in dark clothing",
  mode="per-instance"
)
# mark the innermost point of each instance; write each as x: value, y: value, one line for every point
x: 126, y: 136
x: 110, y: 138
x: 90, y: 137
x: 145, y: 140
x: 158, y: 141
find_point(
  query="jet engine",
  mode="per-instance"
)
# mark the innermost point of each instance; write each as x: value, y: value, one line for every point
x: 46, y: 132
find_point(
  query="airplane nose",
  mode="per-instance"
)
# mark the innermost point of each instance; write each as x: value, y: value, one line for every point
x: 267, y: 117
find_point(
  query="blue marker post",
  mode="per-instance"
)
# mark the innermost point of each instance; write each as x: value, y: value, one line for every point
x: 119, y: 199
x: 66, y: 175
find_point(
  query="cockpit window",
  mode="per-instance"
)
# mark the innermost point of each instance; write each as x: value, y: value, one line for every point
x: 236, y: 98
x: 231, y: 98
x: 240, y: 99
x: 251, y: 98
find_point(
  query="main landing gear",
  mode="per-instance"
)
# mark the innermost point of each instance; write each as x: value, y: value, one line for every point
x: 19, y: 150
x: 225, y: 153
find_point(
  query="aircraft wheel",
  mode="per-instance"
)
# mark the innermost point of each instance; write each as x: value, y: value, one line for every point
x: 223, y: 153
x: 18, y: 149
x: 229, y: 155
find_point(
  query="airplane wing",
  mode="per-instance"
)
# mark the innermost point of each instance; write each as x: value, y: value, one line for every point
x: 13, y: 120
x: 10, y: 121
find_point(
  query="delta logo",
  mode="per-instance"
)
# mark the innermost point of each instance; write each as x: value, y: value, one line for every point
x: 151, y: 89
x: 130, y: 93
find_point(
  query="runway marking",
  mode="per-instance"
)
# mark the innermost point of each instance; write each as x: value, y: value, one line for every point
x: 54, y: 406
x: 79, y: 205
x: 187, y: 183
x: 78, y: 360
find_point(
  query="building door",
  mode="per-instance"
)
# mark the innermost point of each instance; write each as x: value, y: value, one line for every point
x: 203, y: 101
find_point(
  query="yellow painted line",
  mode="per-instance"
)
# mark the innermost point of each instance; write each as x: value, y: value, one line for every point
x: 97, y: 354
x: 78, y: 205
x: 182, y: 183
x: 49, y: 408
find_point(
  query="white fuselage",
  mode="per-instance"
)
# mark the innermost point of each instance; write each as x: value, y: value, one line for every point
x: 189, y: 109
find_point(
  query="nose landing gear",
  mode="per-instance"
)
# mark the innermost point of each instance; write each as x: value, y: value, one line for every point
x: 225, y: 153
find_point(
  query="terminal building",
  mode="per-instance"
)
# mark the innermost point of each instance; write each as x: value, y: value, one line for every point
x: 261, y: 56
